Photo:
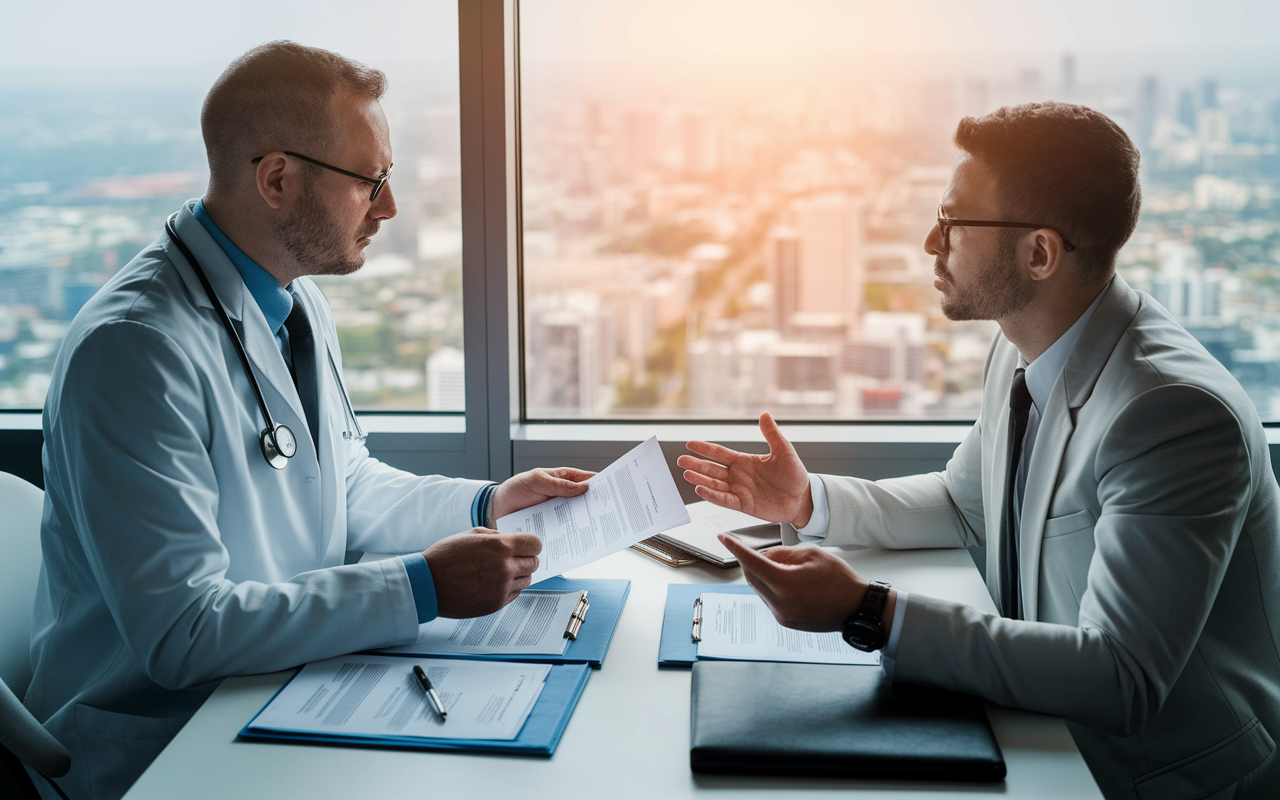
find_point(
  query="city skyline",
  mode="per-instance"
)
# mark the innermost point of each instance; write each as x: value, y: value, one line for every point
x: 673, y: 236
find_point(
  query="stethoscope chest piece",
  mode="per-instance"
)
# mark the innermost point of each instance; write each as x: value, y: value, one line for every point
x: 278, y: 446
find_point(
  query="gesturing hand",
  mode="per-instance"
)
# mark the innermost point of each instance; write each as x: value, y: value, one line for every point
x: 773, y: 487
x: 806, y: 588
x: 535, y: 486
x: 480, y: 571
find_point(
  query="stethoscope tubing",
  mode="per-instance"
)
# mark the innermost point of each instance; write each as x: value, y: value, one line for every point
x: 269, y: 435
x: 226, y: 322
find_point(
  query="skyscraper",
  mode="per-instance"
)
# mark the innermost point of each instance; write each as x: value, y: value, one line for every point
x: 1148, y: 101
x: 830, y: 234
x: 1187, y: 109
x: 1068, y: 76
x: 1209, y: 94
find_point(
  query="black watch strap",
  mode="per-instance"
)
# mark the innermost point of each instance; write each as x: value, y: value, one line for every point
x: 864, y: 629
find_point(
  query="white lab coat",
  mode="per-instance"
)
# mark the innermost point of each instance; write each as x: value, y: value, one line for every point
x: 174, y: 555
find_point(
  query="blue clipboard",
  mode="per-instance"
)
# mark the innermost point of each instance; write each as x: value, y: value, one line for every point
x: 539, y: 737
x: 677, y: 649
x: 607, y: 597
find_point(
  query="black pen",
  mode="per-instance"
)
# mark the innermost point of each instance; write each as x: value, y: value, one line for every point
x: 431, y: 693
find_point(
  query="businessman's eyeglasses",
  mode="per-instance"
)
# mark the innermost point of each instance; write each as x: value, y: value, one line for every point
x: 377, y: 182
x: 945, y: 224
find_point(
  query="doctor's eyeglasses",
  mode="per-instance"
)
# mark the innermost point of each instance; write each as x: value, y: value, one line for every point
x: 945, y: 224
x: 377, y: 182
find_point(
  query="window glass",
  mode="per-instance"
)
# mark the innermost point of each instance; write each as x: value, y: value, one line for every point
x: 724, y: 202
x: 100, y: 142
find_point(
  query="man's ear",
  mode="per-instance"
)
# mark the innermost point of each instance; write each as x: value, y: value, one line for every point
x: 1046, y: 255
x: 272, y: 181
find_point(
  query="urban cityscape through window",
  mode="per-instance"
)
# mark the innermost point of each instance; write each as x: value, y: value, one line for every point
x: 100, y: 142
x: 725, y: 203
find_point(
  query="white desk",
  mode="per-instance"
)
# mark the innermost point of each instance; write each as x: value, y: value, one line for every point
x: 629, y: 736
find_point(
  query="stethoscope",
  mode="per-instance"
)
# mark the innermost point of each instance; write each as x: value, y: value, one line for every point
x: 277, y: 440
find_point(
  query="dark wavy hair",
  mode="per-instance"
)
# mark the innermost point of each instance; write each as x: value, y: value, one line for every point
x: 1066, y: 166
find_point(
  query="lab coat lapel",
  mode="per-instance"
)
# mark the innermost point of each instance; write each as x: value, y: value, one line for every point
x: 1072, y: 389
x: 259, y: 342
x: 331, y: 447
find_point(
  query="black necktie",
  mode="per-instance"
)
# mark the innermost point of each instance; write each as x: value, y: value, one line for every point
x: 1019, y: 409
x: 302, y: 349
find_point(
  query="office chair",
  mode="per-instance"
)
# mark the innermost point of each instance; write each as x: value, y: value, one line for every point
x: 20, y: 509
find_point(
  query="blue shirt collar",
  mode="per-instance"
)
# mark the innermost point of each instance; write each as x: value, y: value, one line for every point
x: 1042, y: 373
x: 274, y: 300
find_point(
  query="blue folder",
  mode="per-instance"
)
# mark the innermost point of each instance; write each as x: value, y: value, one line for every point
x: 539, y: 737
x: 607, y: 596
x: 677, y: 649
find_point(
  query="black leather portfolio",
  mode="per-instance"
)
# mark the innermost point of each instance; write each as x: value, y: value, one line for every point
x: 765, y: 718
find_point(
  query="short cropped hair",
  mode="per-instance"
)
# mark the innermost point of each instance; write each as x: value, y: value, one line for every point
x: 278, y: 96
x: 1064, y: 166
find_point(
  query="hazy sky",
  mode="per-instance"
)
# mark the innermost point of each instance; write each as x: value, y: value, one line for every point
x: 102, y: 40
x: 88, y: 40
x: 920, y: 37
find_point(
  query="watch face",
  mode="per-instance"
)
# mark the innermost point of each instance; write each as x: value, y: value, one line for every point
x: 864, y: 635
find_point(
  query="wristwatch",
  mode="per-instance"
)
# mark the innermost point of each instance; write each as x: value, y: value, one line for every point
x: 864, y: 629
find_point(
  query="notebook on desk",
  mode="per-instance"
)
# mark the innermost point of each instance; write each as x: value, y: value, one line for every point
x: 821, y: 720
x: 696, y: 540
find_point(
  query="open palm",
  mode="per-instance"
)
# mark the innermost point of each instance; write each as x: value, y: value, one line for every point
x: 774, y: 487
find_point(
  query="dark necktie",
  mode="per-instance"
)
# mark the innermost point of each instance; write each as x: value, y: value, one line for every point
x: 302, y: 350
x: 1019, y: 409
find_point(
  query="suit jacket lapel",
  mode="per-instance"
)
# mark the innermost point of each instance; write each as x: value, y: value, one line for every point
x: 1072, y: 389
x: 995, y: 404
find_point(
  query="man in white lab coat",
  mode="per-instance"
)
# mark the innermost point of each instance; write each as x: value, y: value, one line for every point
x: 175, y: 554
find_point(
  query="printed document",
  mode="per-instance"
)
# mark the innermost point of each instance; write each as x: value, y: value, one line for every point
x: 532, y: 624
x: 633, y: 498
x: 740, y: 627
x: 379, y: 696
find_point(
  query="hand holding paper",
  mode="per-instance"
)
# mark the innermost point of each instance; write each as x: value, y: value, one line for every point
x: 633, y: 498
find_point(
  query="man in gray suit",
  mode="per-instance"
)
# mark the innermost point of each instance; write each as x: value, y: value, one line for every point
x: 1118, y: 476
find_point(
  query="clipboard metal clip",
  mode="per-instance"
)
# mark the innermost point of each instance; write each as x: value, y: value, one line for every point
x: 578, y: 617
x: 697, y: 620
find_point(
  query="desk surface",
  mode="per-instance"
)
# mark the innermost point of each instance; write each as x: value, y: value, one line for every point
x: 629, y: 735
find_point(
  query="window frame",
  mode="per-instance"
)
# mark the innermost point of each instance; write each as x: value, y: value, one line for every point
x: 493, y: 438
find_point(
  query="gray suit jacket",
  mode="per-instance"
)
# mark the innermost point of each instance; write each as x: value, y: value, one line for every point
x: 1150, y: 565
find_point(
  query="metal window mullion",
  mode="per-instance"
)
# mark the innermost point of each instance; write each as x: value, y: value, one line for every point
x: 486, y: 76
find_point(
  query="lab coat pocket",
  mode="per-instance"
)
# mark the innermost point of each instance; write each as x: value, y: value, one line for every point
x: 118, y: 747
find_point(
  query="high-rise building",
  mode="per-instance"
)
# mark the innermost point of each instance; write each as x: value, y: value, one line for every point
x: 1209, y: 93
x: 1187, y: 109
x: 830, y: 240
x: 1068, y: 76
x: 1148, y: 106
x: 564, y: 354
x: 446, y: 380
x: 782, y: 259
x: 1182, y: 285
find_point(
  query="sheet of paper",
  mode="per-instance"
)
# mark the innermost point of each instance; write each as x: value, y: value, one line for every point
x: 633, y: 498
x: 379, y: 696
x: 741, y: 627
x: 532, y: 624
